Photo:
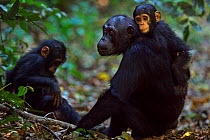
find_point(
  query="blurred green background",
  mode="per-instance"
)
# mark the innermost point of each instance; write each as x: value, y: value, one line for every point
x: 78, y: 23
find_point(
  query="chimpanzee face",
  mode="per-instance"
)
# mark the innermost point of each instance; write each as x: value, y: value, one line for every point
x: 106, y: 44
x: 117, y: 32
x: 54, y: 65
x: 146, y: 16
x: 143, y: 21
x: 53, y: 62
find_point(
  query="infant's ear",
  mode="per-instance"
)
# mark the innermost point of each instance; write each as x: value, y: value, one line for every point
x: 45, y: 51
x: 157, y: 16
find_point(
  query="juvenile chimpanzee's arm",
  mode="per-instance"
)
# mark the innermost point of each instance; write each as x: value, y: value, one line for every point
x: 31, y: 71
x: 41, y: 82
x: 179, y: 50
x: 175, y: 43
x: 180, y: 68
x: 44, y: 83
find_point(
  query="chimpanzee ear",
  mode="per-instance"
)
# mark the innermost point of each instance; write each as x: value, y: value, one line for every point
x: 45, y: 51
x: 157, y: 16
x: 130, y: 31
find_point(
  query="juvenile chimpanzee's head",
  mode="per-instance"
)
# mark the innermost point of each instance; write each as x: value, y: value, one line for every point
x: 53, y: 52
x: 118, y: 32
x: 146, y: 16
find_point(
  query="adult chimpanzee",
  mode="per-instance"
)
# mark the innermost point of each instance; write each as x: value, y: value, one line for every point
x: 151, y: 25
x: 141, y: 95
x: 36, y: 69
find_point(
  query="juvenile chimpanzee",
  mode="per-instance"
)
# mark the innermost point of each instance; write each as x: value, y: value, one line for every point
x: 141, y: 95
x: 36, y: 69
x: 151, y: 25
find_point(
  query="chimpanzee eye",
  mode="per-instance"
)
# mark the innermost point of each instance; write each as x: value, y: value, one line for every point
x: 145, y: 18
x: 138, y: 20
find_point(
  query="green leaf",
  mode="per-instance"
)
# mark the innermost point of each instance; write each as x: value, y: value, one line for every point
x: 126, y: 136
x: 187, y: 8
x: 23, y: 26
x: 1, y: 71
x: 11, y: 23
x: 184, y: 21
x: 13, y: 98
x: 80, y: 130
x: 22, y: 90
x: 14, y: 9
x: 193, y: 115
x: 27, y: 125
x: 195, y: 25
x: 186, y: 33
x: 9, y: 119
x: 30, y: 16
x: 24, y: 12
x: 43, y: 30
x: 31, y: 88
x: 33, y: 17
x: 170, y: 8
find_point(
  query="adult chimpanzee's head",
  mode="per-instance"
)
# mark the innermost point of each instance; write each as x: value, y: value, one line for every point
x: 146, y: 16
x: 118, y: 32
x: 53, y: 52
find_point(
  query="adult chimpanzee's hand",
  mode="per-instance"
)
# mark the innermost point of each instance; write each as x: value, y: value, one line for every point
x: 57, y: 99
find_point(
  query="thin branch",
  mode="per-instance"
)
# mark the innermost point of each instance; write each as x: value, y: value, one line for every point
x: 38, y: 119
x: 46, y: 128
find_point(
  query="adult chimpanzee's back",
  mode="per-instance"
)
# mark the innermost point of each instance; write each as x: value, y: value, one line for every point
x: 141, y: 95
x: 36, y: 69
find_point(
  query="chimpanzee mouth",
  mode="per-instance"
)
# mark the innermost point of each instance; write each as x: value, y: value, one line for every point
x: 103, y: 49
x: 103, y: 52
